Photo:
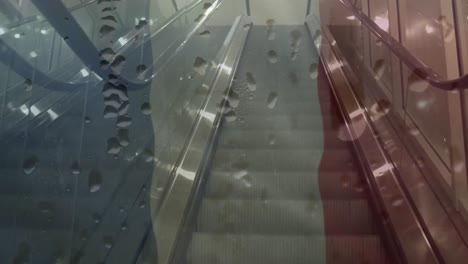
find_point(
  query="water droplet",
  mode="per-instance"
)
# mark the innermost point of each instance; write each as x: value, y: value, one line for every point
x: 240, y: 174
x: 109, y: 18
x: 107, y: 9
x: 46, y: 208
x: 28, y: 85
x: 148, y: 155
x: 233, y: 99
x: 94, y: 181
x: 123, y: 109
x: 205, y: 33
x: 251, y: 83
x: 123, y: 137
x: 199, y: 18
x: 107, y: 54
x: 247, y: 180
x: 142, y: 23
x: 272, y: 100
x: 113, y: 146
x: 293, y: 78
x: 146, y: 108
x: 118, y: 63
x: 141, y: 71
x: 272, y: 56
x: 417, y: 84
x: 206, y: 5
x: 110, y: 112
x: 29, y: 164
x: 87, y: 119
x: 313, y: 71
x: 123, y: 121
x: 142, y: 204
x: 108, y: 242
x: 200, y: 66
x: 75, y: 168
x: 124, y: 226
x: 271, y: 139
x: 106, y: 30
x: 271, y: 34
x: 230, y: 116
x: 296, y: 38
x: 397, y: 202
x: 379, y: 68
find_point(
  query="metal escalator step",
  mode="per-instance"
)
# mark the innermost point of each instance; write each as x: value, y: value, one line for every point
x: 285, y: 185
x: 280, y: 139
x: 278, y: 122
x: 268, y: 160
x: 207, y: 248
x: 285, y: 217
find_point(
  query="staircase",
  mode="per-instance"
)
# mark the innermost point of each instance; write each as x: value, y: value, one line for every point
x: 282, y: 187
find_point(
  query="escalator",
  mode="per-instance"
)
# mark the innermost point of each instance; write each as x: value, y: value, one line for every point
x: 283, y: 185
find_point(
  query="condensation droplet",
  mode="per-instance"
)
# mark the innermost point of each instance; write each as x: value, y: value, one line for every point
x: 146, y: 108
x: 75, y: 168
x: 293, y: 78
x: 379, y: 68
x: 29, y: 164
x: 272, y: 100
x: 106, y: 30
x: 109, y: 18
x: 124, y: 121
x: 200, y: 66
x: 416, y: 84
x: 313, y: 71
x: 230, y: 116
x: 110, y: 112
x: 87, y: 119
x: 271, y: 139
x: 251, y: 83
x: 124, y: 226
x: 397, y: 203
x: 233, y: 99
x: 148, y: 155
x: 94, y: 181
x: 28, y: 85
x: 124, y: 139
x: 205, y: 33
x: 108, y: 242
x: 142, y: 204
x: 123, y: 109
x: 272, y: 56
x: 141, y: 71
x: 113, y: 146
x: 238, y: 175
x: 107, y: 54
x: 199, y: 18
x: 118, y: 63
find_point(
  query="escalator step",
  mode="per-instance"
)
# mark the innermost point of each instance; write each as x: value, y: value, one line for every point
x: 233, y: 160
x: 285, y: 217
x: 277, y: 122
x: 285, y: 185
x: 254, y: 139
x: 275, y: 249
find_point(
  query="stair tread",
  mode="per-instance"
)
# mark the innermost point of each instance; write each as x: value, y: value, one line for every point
x: 279, y: 249
x: 233, y: 159
x: 285, y: 185
x: 285, y: 216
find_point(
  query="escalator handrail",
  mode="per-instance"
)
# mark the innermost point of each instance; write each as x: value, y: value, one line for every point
x: 418, y: 67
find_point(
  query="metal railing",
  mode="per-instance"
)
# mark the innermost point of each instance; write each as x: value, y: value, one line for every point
x: 418, y: 67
